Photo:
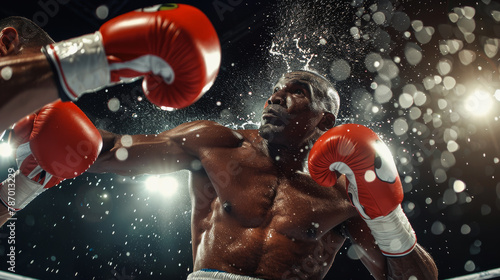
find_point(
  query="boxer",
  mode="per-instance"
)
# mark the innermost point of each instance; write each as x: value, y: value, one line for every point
x: 256, y: 211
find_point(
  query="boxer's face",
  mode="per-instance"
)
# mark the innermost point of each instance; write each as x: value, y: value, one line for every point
x: 9, y: 42
x: 289, y: 118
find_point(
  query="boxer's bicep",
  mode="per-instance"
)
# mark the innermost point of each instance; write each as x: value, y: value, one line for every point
x: 140, y: 154
x: 169, y: 151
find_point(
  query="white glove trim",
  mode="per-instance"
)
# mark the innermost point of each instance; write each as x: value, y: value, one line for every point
x: 22, y: 152
x: 81, y: 64
x: 394, y: 235
x: 25, y: 191
x: 147, y: 64
x: 352, y: 188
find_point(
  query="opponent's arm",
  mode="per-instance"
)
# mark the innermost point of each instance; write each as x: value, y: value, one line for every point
x: 179, y: 148
x: 29, y: 86
x: 375, y: 190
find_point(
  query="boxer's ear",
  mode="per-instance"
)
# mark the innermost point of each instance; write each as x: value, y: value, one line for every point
x: 9, y: 41
x: 327, y: 121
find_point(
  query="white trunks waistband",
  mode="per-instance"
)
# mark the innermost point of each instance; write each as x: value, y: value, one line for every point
x: 217, y: 275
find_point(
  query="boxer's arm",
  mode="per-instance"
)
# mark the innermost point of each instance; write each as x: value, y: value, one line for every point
x: 27, y: 84
x: 365, y: 247
x: 418, y: 263
x: 140, y: 154
x: 172, y: 150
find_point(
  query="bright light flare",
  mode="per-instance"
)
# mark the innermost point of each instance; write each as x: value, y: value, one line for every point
x: 6, y: 150
x: 479, y: 103
x: 166, y: 186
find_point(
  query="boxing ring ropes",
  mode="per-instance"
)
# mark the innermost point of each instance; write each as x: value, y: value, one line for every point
x: 487, y: 274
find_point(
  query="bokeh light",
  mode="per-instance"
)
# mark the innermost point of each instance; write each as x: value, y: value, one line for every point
x: 163, y: 185
x: 6, y: 150
x: 479, y: 103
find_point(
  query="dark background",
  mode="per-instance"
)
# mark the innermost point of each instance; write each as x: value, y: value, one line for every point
x: 112, y: 227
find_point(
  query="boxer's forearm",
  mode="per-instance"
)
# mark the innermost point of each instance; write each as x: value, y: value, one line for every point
x: 418, y: 264
x: 26, y: 84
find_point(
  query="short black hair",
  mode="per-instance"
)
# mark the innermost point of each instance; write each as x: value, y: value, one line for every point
x: 30, y: 34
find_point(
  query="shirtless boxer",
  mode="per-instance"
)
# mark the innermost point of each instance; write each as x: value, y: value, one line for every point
x: 255, y: 211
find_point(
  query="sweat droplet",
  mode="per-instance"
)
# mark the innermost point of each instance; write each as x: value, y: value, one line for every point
x: 467, y: 57
x: 373, y: 62
x: 465, y: 229
x: 102, y: 12
x: 114, y: 104
x: 383, y: 94
x: 400, y: 21
x: 470, y: 266
x: 413, y: 53
x: 6, y: 73
x: 405, y: 100
x: 340, y: 70
x: 370, y: 176
x: 458, y: 186
x: 379, y: 18
x: 121, y: 154
x: 444, y: 66
x: 437, y: 228
x: 400, y: 126
x: 126, y: 140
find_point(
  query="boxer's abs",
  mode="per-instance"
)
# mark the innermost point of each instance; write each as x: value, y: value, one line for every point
x: 273, y: 227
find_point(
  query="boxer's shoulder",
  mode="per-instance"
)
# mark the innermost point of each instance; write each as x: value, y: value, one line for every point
x: 205, y: 133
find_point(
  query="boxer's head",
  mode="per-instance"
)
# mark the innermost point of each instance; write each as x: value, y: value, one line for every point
x: 303, y: 105
x: 20, y: 35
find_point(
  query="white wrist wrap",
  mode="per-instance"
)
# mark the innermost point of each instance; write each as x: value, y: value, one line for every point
x: 81, y: 64
x: 393, y: 233
x: 17, y: 191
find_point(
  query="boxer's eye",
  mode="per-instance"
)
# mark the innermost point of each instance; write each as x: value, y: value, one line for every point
x: 298, y: 91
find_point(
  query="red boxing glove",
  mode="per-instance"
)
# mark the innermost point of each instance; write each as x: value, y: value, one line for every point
x: 173, y: 46
x: 373, y: 182
x: 56, y: 143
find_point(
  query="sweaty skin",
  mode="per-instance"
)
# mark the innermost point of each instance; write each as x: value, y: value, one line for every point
x: 255, y: 211
x: 250, y: 215
x: 26, y: 80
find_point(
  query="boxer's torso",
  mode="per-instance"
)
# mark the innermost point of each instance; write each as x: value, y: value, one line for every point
x: 254, y: 216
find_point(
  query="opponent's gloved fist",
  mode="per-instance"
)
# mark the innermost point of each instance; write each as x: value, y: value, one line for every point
x: 173, y: 46
x: 373, y: 182
x: 56, y: 143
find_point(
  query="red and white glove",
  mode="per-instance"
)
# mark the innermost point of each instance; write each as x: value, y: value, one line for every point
x: 374, y: 185
x: 56, y: 143
x: 173, y: 46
